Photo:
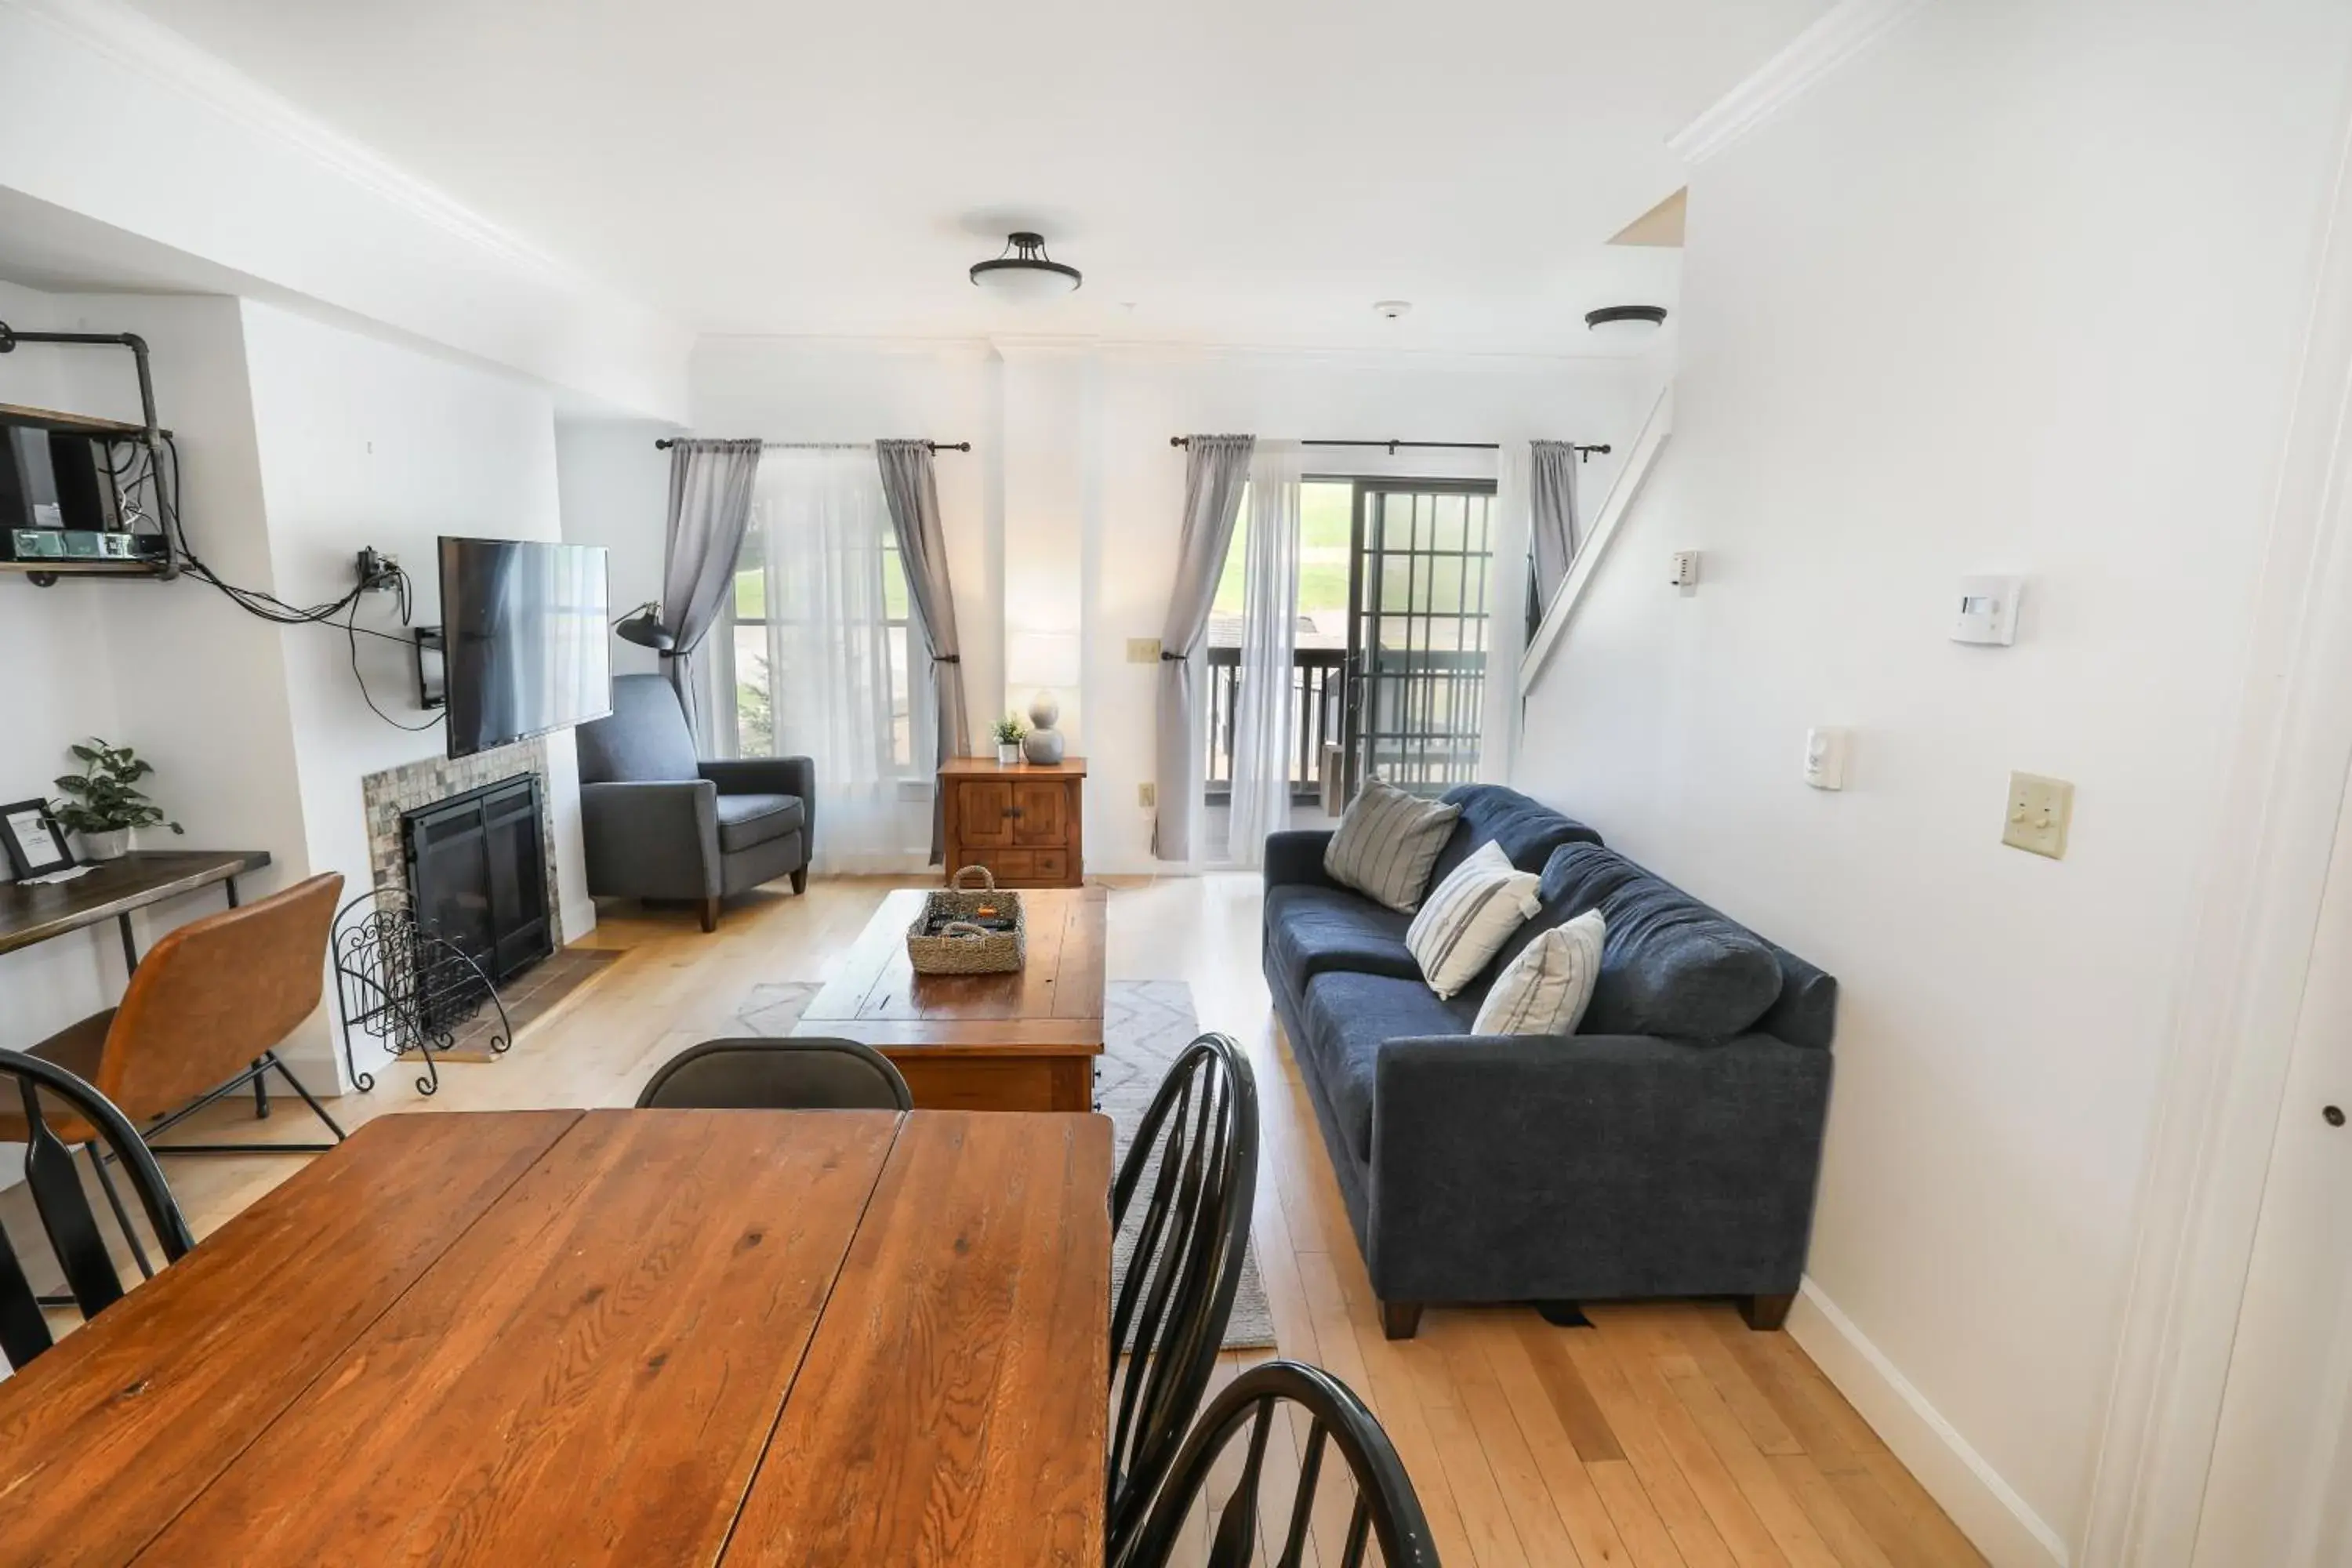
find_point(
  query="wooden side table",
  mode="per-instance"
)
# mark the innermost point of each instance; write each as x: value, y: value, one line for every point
x: 1025, y: 823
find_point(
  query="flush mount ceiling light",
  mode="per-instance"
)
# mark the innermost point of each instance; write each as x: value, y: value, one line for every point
x: 1626, y: 323
x: 1025, y: 272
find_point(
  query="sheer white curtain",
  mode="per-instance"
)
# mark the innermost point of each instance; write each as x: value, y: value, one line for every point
x: 1265, y: 707
x: 837, y: 668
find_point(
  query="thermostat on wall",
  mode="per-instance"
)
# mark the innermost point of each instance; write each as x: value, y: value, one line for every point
x: 1988, y: 610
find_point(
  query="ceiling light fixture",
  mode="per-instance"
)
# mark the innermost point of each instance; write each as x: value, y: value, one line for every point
x: 1626, y: 323
x: 1392, y: 310
x: 1025, y: 272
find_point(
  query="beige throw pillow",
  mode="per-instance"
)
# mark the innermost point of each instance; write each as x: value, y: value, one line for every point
x: 1467, y: 920
x: 1546, y: 989
x: 1387, y: 844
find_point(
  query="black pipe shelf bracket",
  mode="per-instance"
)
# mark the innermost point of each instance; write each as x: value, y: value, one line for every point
x: 148, y: 432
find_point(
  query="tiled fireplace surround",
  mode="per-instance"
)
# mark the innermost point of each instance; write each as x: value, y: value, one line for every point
x: 387, y: 794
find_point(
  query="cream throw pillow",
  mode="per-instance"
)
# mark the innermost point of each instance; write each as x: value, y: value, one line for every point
x: 1546, y: 989
x: 1473, y: 914
x: 1387, y: 844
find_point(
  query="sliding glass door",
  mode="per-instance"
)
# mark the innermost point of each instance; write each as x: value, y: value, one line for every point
x: 1417, y: 641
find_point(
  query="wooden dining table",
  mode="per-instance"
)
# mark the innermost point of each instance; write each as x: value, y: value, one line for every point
x: 563, y: 1337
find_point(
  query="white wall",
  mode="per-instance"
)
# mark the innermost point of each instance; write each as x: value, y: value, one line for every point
x: 60, y: 688
x: 2018, y: 292
x: 613, y: 485
x: 367, y: 443
x: 1066, y: 515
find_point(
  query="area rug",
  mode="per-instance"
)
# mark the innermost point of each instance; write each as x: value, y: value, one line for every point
x: 1147, y: 1024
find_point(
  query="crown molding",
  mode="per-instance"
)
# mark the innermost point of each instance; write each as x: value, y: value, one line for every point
x: 138, y: 43
x: 1813, y: 55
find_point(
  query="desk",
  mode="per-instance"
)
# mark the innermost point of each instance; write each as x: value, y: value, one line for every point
x: 617, y: 1336
x: 1022, y: 1041
x: 116, y: 888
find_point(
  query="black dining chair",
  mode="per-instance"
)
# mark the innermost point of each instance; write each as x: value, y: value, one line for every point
x: 761, y: 1074
x: 1268, y: 1400
x: 50, y: 1098
x: 1194, y: 1166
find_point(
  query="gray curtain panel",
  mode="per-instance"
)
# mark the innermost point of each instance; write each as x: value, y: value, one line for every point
x: 1213, y: 478
x: 912, y: 489
x: 1553, y: 527
x: 710, y: 506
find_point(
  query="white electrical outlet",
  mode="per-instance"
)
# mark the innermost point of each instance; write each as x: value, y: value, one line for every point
x: 1682, y: 572
x: 2039, y: 813
x: 1825, y: 752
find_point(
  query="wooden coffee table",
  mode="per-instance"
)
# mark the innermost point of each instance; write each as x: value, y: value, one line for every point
x: 1023, y: 1041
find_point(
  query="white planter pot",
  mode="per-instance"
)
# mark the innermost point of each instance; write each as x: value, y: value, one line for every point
x: 1007, y: 755
x: 108, y: 846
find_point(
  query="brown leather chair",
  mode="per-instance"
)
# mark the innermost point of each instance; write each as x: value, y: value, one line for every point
x: 202, y: 1018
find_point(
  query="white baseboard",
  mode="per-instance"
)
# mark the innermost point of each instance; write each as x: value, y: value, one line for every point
x: 1985, y: 1507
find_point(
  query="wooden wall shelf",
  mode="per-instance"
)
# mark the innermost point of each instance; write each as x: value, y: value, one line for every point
x: 71, y: 423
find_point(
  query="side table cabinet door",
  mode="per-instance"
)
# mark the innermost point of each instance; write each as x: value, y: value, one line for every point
x: 1040, y: 813
x: 984, y: 813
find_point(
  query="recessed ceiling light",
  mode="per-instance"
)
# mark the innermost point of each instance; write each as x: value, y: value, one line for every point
x: 1025, y: 272
x: 1626, y: 323
x: 1392, y: 309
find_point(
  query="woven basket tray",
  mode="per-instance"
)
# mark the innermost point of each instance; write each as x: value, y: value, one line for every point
x: 970, y: 950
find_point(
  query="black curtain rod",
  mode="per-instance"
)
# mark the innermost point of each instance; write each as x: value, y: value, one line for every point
x: 665, y: 443
x: 1186, y: 441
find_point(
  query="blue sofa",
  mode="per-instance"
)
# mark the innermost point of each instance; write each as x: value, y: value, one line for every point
x: 1669, y: 1148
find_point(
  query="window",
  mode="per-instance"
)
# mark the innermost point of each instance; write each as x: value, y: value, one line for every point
x: 755, y: 706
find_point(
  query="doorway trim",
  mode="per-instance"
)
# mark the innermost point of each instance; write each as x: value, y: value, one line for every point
x: 2233, y: 1023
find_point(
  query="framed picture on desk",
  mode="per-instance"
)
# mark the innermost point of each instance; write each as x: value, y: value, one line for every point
x: 35, y: 844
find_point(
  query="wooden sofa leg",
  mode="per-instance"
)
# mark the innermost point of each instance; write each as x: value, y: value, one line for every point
x: 1399, y: 1320
x: 800, y: 881
x: 709, y: 914
x: 1765, y: 1311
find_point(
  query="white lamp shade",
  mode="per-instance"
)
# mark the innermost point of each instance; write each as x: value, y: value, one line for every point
x: 1019, y: 285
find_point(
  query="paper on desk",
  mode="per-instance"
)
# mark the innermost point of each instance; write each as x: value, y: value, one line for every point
x: 68, y: 875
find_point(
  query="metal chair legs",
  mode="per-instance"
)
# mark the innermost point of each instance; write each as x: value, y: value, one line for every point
x: 252, y: 1075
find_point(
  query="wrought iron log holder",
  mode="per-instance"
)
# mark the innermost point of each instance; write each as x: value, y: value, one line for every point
x: 406, y: 987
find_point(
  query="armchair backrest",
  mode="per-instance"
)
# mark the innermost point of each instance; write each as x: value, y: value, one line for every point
x: 644, y: 740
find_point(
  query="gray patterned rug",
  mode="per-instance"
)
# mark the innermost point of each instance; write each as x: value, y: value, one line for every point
x: 1146, y: 1024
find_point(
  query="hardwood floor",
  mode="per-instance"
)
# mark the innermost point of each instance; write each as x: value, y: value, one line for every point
x: 1668, y: 1436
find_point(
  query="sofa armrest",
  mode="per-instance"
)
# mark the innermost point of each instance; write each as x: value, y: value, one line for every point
x: 1520, y: 1167
x: 654, y: 840
x: 769, y: 775
x: 1295, y: 855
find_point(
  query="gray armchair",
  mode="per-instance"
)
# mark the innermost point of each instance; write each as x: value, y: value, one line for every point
x: 660, y: 824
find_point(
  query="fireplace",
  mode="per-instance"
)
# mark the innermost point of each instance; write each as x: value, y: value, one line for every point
x: 477, y: 873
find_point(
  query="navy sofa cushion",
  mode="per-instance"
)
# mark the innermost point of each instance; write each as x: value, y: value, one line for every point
x: 1806, y: 1014
x: 1528, y: 830
x: 1348, y: 1016
x: 1671, y: 966
x: 1311, y: 930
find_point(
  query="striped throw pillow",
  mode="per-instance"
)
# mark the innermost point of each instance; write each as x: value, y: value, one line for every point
x: 1546, y: 989
x: 1470, y: 916
x: 1387, y: 844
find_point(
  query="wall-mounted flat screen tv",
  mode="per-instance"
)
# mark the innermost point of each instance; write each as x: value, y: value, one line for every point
x: 524, y: 634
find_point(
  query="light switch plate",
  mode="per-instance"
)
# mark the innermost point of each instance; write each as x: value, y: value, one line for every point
x: 1825, y: 751
x: 2038, y: 815
x: 1143, y: 650
x: 1147, y: 795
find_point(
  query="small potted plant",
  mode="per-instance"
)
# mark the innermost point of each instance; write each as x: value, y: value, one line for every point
x: 103, y: 803
x: 1008, y: 739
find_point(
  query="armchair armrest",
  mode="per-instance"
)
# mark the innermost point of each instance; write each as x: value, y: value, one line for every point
x: 1521, y: 1167
x: 769, y: 775
x: 654, y: 840
x: 1295, y: 855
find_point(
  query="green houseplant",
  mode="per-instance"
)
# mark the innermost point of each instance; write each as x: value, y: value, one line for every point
x: 1008, y: 738
x: 104, y: 802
